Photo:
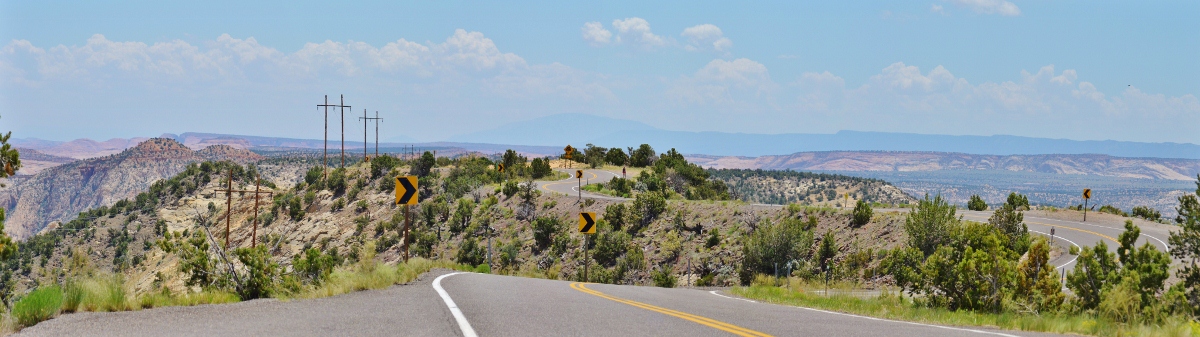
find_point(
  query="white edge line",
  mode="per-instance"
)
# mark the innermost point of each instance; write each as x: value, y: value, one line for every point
x: 714, y: 292
x: 1064, y: 239
x: 1165, y: 245
x: 463, y: 325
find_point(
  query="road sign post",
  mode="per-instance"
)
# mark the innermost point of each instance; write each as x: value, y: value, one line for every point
x: 406, y: 194
x: 1051, y: 235
x: 579, y: 184
x: 1087, y: 194
x: 587, y: 226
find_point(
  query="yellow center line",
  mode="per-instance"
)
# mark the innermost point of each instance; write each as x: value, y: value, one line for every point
x: 712, y: 323
x: 1077, y: 230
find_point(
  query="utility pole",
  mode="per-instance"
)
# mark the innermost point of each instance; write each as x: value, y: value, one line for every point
x: 229, y: 206
x: 364, y: 118
x: 325, y: 155
x: 343, y: 106
x: 257, y: 192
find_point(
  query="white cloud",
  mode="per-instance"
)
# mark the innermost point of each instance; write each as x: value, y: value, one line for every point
x: 936, y: 8
x: 1047, y: 102
x: 1001, y: 7
x: 637, y: 31
x: 463, y: 57
x: 720, y: 81
x: 706, y: 37
x: 594, y: 33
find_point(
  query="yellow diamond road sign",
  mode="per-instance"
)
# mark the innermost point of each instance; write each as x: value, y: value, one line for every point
x: 406, y: 190
x: 1087, y: 193
x: 587, y: 222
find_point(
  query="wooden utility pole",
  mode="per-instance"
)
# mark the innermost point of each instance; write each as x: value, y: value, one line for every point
x: 257, y: 192
x: 365, y: 119
x: 325, y: 145
x: 343, y: 106
x: 229, y: 206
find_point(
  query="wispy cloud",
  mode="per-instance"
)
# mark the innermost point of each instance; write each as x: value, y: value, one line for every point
x: 1000, y: 7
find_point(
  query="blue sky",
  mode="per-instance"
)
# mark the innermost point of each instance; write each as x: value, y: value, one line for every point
x: 1060, y: 69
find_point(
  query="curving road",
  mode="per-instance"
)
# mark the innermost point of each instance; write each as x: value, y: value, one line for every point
x: 467, y: 304
x: 570, y: 185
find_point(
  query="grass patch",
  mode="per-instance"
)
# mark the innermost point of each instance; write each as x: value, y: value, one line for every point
x: 37, y: 306
x: 370, y: 274
x: 891, y: 306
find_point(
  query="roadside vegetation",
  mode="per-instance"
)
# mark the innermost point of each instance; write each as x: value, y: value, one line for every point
x: 995, y: 274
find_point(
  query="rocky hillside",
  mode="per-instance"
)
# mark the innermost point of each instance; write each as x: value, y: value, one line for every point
x: 1081, y: 164
x: 62, y: 191
x: 784, y: 187
x: 700, y: 242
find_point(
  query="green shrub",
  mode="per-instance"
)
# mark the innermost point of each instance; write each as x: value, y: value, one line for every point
x: 862, y: 213
x: 545, y: 229
x: 663, y: 277
x: 313, y: 266
x: 510, y: 189
x: 39, y: 305
x: 610, y: 245
x: 261, y: 273
x: 713, y: 238
x: 977, y: 203
x: 337, y: 181
x: 1110, y: 209
x: 1018, y: 201
x: 771, y: 245
x: 470, y: 253
x: 1146, y: 213
x: 647, y: 207
x: 929, y: 225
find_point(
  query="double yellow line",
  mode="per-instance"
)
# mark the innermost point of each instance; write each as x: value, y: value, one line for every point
x: 712, y: 323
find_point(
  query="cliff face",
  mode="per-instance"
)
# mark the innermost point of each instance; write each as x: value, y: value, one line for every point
x: 1081, y: 164
x: 62, y: 191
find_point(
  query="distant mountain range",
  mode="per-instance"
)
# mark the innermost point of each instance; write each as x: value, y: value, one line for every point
x: 879, y: 161
x: 578, y: 129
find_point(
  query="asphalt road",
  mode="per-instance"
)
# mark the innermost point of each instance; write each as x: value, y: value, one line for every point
x: 570, y: 185
x: 492, y: 305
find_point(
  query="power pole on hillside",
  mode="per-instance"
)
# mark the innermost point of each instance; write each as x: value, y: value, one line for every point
x: 343, y: 106
x: 364, y: 118
x: 257, y: 192
x: 229, y: 206
x: 325, y: 153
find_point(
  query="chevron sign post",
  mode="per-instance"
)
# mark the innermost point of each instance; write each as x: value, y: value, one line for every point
x: 406, y: 194
x: 406, y: 190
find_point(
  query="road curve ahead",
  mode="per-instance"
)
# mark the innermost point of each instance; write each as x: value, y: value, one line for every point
x: 570, y: 185
x: 491, y: 305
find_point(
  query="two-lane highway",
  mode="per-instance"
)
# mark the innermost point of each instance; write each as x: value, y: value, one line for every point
x: 512, y: 306
x: 443, y: 303
x: 570, y: 185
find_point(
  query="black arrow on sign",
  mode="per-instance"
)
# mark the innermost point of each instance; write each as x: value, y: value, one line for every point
x: 409, y: 190
x: 588, y: 222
